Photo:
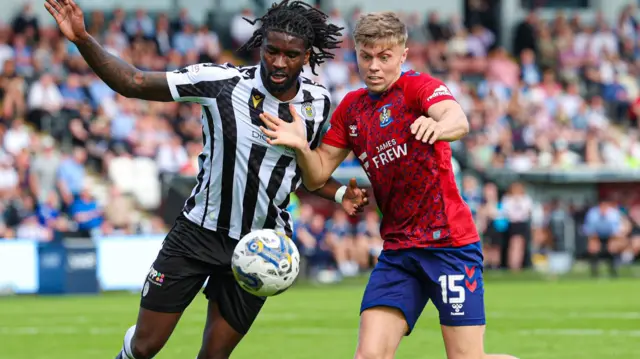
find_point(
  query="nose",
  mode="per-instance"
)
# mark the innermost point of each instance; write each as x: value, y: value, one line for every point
x: 279, y: 62
x: 374, y: 66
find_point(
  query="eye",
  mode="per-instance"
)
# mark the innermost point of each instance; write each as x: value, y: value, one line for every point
x: 292, y: 56
x: 271, y: 51
x: 384, y: 58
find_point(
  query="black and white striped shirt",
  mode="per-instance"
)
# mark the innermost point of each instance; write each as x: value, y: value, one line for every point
x: 244, y: 183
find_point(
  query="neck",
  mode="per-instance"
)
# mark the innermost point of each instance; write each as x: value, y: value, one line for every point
x: 289, y: 94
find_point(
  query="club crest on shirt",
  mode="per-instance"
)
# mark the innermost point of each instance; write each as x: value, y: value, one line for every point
x: 385, y: 115
x: 308, y: 111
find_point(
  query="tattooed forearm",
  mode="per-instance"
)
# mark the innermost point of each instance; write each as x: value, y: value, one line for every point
x: 122, y: 77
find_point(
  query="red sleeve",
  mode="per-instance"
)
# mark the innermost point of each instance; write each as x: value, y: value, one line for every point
x: 336, y: 136
x: 427, y: 90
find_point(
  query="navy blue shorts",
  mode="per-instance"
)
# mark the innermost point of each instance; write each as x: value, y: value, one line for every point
x: 450, y: 277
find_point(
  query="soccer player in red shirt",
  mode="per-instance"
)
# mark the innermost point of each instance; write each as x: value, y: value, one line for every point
x: 400, y: 127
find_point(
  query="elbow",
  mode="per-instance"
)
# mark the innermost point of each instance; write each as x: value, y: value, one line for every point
x: 464, y: 127
x: 313, y: 186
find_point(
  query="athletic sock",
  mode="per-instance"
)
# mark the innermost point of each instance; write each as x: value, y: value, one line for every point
x: 126, y: 352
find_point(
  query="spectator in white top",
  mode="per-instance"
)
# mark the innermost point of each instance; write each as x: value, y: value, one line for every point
x: 172, y: 156
x: 241, y: 30
x: 45, y: 95
x: 8, y: 176
x: 17, y: 137
x: 517, y: 207
x: 208, y: 43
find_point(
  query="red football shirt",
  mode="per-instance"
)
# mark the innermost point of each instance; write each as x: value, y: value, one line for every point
x: 413, y: 182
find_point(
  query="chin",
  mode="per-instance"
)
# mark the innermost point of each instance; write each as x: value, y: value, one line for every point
x: 377, y: 88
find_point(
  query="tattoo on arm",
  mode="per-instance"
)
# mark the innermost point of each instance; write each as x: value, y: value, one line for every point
x: 123, y: 77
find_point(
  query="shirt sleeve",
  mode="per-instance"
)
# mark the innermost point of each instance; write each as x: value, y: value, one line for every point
x: 427, y: 91
x: 199, y: 83
x: 337, y: 135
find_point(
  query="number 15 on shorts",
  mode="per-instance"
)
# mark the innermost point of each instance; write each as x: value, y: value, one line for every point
x: 452, y: 289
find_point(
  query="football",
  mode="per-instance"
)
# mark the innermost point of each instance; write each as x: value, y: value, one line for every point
x: 265, y: 262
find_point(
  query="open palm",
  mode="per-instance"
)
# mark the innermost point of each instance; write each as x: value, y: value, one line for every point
x: 69, y: 17
x: 290, y: 134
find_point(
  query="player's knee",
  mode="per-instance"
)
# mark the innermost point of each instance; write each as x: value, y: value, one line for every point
x: 218, y: 353
x: 145, y: 347
x: 364, y: 352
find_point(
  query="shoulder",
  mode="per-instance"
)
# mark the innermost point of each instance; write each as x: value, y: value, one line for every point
x: 416, y: 80
x: 315, y: 90
x: 353, y: 97
x: 307, y: 82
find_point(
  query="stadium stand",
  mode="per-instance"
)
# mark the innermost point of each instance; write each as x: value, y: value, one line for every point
x: 77, y: 158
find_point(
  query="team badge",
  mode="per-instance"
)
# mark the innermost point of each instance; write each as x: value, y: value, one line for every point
x: 385, y: 115
x: 308, y: 110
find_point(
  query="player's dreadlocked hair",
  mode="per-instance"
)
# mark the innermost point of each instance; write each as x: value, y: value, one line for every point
x: 301, y: 20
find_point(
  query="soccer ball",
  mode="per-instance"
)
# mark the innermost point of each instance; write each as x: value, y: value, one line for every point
x: 265, y: 262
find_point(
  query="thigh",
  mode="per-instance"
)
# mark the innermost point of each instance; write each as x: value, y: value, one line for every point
x: 393, y: 284
x: 237, y: 308
x: 175, y: 278
x: 219, y: 339
x: 463, y: 342
x: 455, y: 284
x: 381, y: 330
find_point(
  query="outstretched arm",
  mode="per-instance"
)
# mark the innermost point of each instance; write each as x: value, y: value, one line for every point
x: 352, y: 198
x: 120, y: 76
x: 318, y: 165
x: 123, y: 77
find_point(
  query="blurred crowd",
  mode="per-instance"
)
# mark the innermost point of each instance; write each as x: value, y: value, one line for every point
x: 76, y: 158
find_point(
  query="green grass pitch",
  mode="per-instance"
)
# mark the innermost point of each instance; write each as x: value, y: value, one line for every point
x: 580, y: 318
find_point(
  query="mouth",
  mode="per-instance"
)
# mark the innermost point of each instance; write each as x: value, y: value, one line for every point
x: 278, y: 78
x: 375, y: 79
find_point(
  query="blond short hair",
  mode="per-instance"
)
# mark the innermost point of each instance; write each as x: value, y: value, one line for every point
x: 380, y: 27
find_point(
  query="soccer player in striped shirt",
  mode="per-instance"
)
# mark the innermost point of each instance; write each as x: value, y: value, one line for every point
x: 431, y: 246
x: 244, y: 183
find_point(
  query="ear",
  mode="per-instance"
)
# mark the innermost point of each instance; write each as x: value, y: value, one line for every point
x: 405, y: 52
x: 307, y: 54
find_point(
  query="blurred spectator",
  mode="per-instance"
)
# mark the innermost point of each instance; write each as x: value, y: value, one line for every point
x: 368, y: 231
x: 517, y: 207
x: 339, y: 238
x: 87, y: 213
x: 493, y: 225
x: 71, y: 174
x: 603, y: 226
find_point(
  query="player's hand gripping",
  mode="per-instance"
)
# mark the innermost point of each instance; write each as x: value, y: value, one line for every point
x: 355, y: 199
x: 426, y: 129
x: 279, y: 132
x: 69, y: 17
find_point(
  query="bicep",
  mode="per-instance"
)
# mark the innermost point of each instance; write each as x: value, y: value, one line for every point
x: 332, y: 156
x: 438, y: 110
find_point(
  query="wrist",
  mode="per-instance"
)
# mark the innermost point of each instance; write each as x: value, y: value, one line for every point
x: 82, y: 38
x: 340, y: 194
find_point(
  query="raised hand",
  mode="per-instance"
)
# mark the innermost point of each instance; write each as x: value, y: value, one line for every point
x: 355, y: 199
x: 279, y: 132
x: 69, y: 17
